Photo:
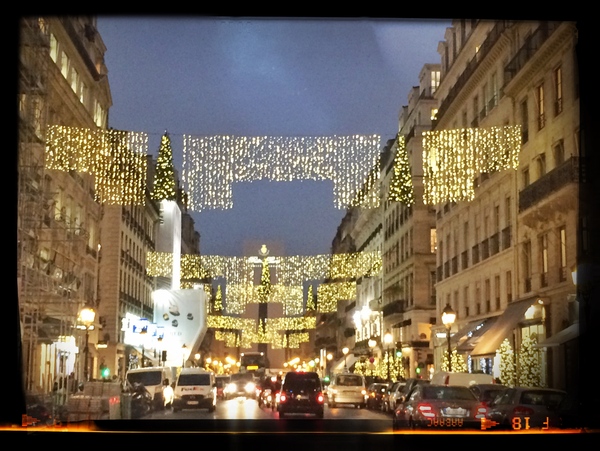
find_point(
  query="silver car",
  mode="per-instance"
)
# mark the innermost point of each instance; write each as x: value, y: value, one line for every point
x: 347, y: 388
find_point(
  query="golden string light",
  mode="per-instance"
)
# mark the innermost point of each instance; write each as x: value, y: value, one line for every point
x: 211, y: 164
x: 401, y: 186
x: 453, y: 158
x: 116, y: 158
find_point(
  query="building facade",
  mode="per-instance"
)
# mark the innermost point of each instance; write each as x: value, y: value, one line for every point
x: 507, y: 229
x: 62, y: 83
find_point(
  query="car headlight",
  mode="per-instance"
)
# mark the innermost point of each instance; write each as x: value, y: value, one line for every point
x: 230, y: 388
x: 250, y: 387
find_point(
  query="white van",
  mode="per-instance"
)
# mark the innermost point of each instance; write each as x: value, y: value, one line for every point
x: 464, y: 379
x: 152, y: 378
x: 195, y: 388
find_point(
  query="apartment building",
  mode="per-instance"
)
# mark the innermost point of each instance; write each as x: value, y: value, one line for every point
x: 62, y: 84
x: 503, y: 165
x: 409, y: 240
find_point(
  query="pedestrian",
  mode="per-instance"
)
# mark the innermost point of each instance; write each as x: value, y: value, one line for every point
x: 168, y: 394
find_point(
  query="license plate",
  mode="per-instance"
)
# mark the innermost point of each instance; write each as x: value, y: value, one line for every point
x: 458, y: 412
x: 192, y: 403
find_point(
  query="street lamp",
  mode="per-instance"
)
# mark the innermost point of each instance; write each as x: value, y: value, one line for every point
x: 87, y: 315
x: 329, y: 358
x: 448, y: 317
x: 387, y: 338
x: 345, y: 351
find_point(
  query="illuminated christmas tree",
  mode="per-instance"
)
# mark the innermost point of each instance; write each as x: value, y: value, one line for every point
x: 265, y: 282
x: 530, y: 372
x: 218, y: 301
x: 508, y: 374
x: 164, y: 179
x: 401, y: 188
x: 458, y: 362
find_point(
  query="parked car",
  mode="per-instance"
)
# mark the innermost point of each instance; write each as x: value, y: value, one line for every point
x: 375, y: 394
x: 392, y: 395
x: 301, y: 393
x: 347, y: 388
x: 486, y: 393
x: 522, y: 408
x: 440, y: 407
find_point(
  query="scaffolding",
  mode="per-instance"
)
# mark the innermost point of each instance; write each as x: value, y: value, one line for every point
x: 48, y: 274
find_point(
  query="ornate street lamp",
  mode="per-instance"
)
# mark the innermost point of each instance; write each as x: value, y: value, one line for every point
x: 387, y: 339
x: 448, y: 317
x: 372, y: 343
x: 86, y: 318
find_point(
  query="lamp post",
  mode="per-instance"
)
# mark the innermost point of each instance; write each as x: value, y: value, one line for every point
x: 345, y: 351
x: 183, y: 348
x: 329, y: 358
x: 87, y: 315
x: 387, y: 338
x: 448, y: 317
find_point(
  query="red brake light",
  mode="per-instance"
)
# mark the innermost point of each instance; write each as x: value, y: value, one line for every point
x: 282, y: 397
x: 426, y: 410
x: 320, y: 398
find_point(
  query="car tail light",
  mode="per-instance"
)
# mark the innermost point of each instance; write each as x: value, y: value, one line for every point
x: 481, y: 411
x: 520, y: 411
x: 426, y: 410
x: 364, y: 392
x: 320, y: 398
x: 282, y: 397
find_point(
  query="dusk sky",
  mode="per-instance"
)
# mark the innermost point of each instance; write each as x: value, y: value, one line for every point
x: 264, y: 77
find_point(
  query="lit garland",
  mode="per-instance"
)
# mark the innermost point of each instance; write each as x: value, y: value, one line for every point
x: 117, y: 159
x: 218, y: 304
x: 310, y: 300
x: 164, y: 180
x: 401, y: 187
x: 453, y: 158
x: 212, y: 164
x: 264, y: 289
x: 328, y: 295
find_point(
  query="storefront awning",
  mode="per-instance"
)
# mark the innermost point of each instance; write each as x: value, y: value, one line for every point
x: 475, y: 335
x: 568, y: 334
x: 465, y: 330
x: 501, y: 328
x: 338, y: 367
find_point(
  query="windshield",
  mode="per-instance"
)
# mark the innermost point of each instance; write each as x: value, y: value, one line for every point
x: 193, y: 379
x: 349, y: 380
x: 145, y: 377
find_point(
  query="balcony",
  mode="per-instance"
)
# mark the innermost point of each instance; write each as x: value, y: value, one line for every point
x: 397, y: 306
x: 553, y: 181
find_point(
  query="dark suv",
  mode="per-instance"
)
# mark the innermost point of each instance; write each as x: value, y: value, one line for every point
x: 301, y: 392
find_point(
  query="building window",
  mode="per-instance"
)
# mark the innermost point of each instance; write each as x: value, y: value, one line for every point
x: 562, y: 233
x: 526, y: 268
x: 53, y: 48
x: 544, y: 259
x: 558, y: 91
x: 488, y: 295
x: 524, y: 122
x: 494, y: 91
x: 541, y: 165
x: 497, y: 292
x: 433, y: 240
x: 525, y: 177
x: 508, y: 210
x: 466, y: 300
x: 508, y: 287
x: 435, y: 80
x: 540, y: 107
x: 559, y: 153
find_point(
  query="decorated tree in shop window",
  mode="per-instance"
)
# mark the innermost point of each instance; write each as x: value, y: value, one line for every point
x: 164, y: 178
x: 508, y: 374
x: 458, y: 362
x: 529, y: 369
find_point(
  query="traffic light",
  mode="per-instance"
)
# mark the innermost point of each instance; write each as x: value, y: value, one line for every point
x: 326, y: 379
x: 398, y: 353
x: 105, y: 372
